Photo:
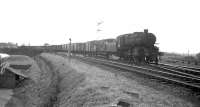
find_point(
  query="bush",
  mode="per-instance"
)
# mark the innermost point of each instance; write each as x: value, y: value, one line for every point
x: 29, y: 51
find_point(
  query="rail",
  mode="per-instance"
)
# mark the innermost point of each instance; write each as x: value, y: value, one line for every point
x: 182, y: 68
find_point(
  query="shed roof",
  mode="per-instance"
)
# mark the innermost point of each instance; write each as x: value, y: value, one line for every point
x: 16, y: 70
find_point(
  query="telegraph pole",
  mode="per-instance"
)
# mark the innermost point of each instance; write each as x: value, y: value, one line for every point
x: 188, y: 56
x: 69, y: 51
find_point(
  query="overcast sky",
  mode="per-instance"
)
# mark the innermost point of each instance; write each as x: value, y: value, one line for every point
x: 176, y: 23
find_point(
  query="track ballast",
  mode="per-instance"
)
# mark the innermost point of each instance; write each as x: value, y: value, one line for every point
x: 177, y: 77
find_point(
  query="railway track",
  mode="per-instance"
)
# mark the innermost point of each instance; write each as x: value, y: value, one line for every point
x: 169, y: 75
x: 184, y: 69
x: 194, y: 68
x: 176, y: 71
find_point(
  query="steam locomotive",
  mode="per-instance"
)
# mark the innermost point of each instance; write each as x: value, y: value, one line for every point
x: 139, y: 46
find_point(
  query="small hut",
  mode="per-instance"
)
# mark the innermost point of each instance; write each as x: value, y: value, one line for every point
x: 8, y: 79
x: 10, y: 76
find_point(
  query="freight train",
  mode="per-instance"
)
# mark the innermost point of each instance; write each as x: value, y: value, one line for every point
x: 137, y: 47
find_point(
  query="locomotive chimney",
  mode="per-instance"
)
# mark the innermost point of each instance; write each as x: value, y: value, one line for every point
x: 145, y: 31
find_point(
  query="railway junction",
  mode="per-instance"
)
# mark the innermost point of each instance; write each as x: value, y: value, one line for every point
x: 122, y: 72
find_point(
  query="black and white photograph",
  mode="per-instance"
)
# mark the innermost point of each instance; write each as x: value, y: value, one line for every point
x: 99, y: 53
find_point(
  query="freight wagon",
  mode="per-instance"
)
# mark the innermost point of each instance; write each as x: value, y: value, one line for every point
x: 106, y: 47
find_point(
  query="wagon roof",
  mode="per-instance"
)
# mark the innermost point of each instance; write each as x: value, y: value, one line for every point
x: 110, y: 39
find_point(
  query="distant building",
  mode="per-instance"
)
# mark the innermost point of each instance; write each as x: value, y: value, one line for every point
x: 8, y: 45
